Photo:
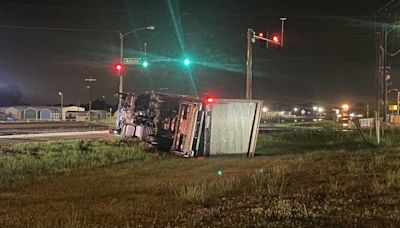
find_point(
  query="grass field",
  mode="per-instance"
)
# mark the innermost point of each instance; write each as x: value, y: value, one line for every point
x: 302, y: 178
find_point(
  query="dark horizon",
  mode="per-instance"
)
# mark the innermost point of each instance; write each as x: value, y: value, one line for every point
x: 328, y: 57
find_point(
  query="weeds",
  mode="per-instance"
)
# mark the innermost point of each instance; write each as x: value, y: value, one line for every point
x: 307, y: 140
x: 355, y: 167
x: 194, y: 192
x: 270, y: 181
x: 333, y: 184
x: 31, y: 159
x: 205, y: 192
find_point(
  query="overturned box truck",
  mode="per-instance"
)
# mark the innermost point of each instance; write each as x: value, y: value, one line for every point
x: 192, y: 126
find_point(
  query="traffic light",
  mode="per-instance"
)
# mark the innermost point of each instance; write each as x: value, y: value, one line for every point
x: 118, y: 68
x: 186, y: 61
x: 145, y: 64
x: 209, y: 100
x: 263, y: 43
x: 276, y: 39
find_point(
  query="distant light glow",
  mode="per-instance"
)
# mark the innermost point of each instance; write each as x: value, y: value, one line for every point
x: 265, y: 109
x: 345, y: 107
x: 295, y: 109
x: 186, y: 62
x: 320, y: 109
x: 145, y: 64
x: 261, y: 34
x: 315, y: 108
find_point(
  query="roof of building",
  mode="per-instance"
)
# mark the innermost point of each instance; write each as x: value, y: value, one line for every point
x: 51, y: 108
x: 99, y: 111
x: 20, y: 108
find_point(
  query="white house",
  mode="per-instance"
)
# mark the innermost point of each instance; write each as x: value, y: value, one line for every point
x: 70, y: 112
x: 16, y: 112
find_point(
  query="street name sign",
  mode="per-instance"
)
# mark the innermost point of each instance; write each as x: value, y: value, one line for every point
x: 132, y: 61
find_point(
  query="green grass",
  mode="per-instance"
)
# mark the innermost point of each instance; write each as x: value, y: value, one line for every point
x: 300, y: 141
x: 322, y: 125
x: 25, y: 160
x: 314, y: 179
x: 108, y: 122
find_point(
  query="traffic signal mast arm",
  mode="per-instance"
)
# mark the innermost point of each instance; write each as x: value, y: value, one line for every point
x: 251, y: 38
x: 276, y: 39
x: 266, y: 39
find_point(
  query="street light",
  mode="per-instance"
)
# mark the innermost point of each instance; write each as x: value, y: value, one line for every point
x: 90, y: 80
x: 265, y: 109
x: 62, y: 103
x: 105, y: 104
x: 121, y: 36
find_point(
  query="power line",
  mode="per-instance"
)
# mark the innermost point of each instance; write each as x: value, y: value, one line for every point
x: 54, y: 28
x: 186, y: 13
x: 62, y: 7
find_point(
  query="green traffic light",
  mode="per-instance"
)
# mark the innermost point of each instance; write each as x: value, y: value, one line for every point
x: 145, y: 64
x: 186, y: 62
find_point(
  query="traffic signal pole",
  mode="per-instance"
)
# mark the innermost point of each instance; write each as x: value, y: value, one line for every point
x: 251, y: 38
x: 121, y: 62
x: 249, y: 77
x: 121, y: 36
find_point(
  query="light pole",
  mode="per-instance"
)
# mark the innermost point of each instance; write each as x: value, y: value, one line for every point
x: 90, y: 80
x: 62, y: 103
x: 121, y: 37
x: 251, y: 38
x: 104, y: 100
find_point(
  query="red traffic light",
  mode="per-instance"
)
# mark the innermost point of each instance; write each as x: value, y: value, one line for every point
x: 261, y: 34
x: 276, y: 39
x: 118, y: 68
x: 209, y: 100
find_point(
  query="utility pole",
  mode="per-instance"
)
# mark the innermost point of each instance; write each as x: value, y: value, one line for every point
x: 90, y: 80
x: 104, y: 100
x: 251, y: 38
x: 62, y: 103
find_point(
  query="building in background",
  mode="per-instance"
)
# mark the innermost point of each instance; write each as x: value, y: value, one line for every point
x: 70, y: 113
x: 51, y: 113
x: 15, y: 112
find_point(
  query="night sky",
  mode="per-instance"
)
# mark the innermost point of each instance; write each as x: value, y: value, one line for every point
x: 50, y: 46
